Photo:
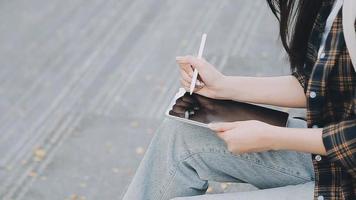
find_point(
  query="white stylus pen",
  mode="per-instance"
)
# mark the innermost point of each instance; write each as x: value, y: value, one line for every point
x: 195, y: 73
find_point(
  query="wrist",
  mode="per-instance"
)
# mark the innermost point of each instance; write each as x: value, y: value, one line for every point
x: 275, y: 137
x: 221, y: 88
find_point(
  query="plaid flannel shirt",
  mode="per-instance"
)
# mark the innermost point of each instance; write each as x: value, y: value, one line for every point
x: 329, y: 83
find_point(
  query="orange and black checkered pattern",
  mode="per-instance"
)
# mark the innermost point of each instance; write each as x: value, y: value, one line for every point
x: 329, y: 83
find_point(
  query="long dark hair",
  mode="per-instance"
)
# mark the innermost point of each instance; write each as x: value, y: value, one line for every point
x: 296, y: 19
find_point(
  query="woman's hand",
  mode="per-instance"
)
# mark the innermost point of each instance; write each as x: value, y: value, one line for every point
x: 246, y: 136
x: 210, y: 80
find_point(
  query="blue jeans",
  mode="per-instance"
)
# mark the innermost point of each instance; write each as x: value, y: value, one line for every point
x: 182, y: 158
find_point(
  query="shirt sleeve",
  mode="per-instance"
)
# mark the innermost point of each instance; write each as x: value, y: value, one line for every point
x: 300, y: 77
x: 340, y: 143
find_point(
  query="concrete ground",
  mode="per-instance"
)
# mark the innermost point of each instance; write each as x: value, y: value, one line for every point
x: 84, y: 84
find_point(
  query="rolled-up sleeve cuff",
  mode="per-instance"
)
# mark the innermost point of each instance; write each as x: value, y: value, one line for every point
x: 300, y: 77
x: 340, y: 143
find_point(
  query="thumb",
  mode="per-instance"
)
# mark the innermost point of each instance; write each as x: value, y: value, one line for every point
x: 221, y: 126
x: 197, y: 63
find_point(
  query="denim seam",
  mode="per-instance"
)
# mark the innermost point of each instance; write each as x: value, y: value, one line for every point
x: 248, y: 160
x: 165, y: 187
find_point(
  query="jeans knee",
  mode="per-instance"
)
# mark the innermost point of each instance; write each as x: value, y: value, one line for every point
x: 169, y: 129
x: 182, y: 138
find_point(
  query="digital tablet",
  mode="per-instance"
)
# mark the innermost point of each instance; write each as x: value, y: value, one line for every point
x: 199, y: 110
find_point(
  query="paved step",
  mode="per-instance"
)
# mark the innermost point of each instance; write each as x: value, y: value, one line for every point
x: 78, y: 75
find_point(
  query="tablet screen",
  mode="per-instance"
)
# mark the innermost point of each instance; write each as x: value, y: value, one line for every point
x: 200, y: 110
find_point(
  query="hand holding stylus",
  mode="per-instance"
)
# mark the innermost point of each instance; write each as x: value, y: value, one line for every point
x: 209, y: 82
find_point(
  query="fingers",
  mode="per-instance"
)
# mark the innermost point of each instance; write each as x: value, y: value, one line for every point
x: 186, y: 76
x: 191, y: 60
x: 223, y: 135
x: 187, y: 68
x: 186, y: 84
x: 227, y: 137
x: 222, y: 126
x: 187, y: 63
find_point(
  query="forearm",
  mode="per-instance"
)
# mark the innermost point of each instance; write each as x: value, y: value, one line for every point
x: 298, y: 139
x: 279, y: 91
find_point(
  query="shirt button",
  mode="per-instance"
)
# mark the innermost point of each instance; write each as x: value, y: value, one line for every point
x: 312, y: 94
x: 322, y: 55
x: 318, y: 158
x: 315, y: 126
x: 320, y: 198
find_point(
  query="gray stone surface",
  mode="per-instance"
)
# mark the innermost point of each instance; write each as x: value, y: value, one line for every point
x: 84, y: 84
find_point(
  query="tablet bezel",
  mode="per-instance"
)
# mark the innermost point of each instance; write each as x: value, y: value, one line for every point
x: 181, y: 92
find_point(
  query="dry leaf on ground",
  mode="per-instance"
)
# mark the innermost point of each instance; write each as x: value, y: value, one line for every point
x: 32, y: 174
x: 140, y: 150
x: 39, y: 154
